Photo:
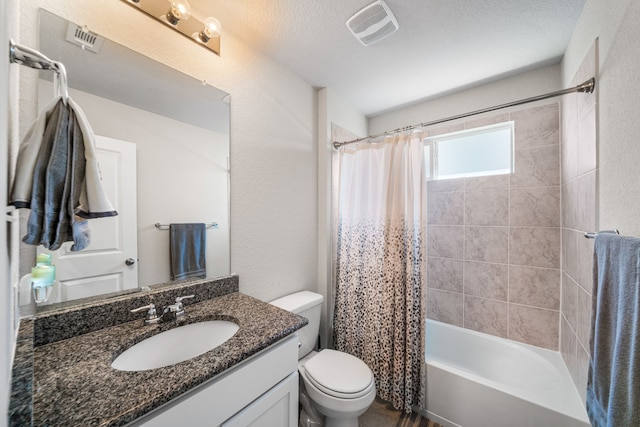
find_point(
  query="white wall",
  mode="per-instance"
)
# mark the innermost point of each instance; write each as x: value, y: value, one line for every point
x: 531, y: 83
x: 615, y: 23
x: 273, y: 155
x: 181, y: 176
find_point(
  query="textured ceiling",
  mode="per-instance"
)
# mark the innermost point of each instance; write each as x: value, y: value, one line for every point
x: 441, y: 46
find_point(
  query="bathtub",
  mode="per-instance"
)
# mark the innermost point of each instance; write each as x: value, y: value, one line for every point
x: 477, y: 380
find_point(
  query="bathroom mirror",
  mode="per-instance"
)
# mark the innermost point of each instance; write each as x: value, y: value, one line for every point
x: 179, y: 127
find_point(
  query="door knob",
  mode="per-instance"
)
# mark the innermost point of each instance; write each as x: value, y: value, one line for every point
x: 130, y: 261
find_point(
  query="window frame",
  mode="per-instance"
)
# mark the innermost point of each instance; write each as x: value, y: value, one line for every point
x: 432, y: 142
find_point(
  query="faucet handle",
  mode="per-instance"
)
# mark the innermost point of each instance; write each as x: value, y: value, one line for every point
x: 151, y: 317
x: 179, y: 299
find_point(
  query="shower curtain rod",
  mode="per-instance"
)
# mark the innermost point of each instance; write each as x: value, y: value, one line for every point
x: 586, y: 87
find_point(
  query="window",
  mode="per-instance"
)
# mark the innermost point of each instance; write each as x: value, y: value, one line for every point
x: 476, y: 152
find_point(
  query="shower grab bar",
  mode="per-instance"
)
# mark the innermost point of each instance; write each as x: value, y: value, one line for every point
x: 593, y: 235
x: 166, y: 226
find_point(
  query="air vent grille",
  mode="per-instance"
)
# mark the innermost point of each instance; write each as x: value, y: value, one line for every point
x: 373, y: 23
x: 84, y: 38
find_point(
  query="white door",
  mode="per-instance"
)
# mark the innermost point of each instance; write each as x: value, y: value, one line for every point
x: 109, y: 264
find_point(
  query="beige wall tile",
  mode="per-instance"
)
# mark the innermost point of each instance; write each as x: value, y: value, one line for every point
x: 586, y: 203
x: 480, y: 183
x: 486, y: 280
x: 569, y: 149
x: 584, y: 263
x: 444, y: 307
x: 445, y: 274
x: 491, y: 119
x: 444, y: 129
x: 570, y: 252
x: 570, y: 300
x: 445, y: 208
x: 586, y: 141
x: 568, y: 347
x: 490, y: 207
x: 538, y: 126
x: 445, y: 185
x: 489, y: 244
x: 535, y: 247
x: 485, y: 315
x: 538, y: 287
x: 570, y: 204
x: 445, y: 241
x: 583, y: 320
x: 535, y: 207
x: 536, y: 167
x: 534, y: 326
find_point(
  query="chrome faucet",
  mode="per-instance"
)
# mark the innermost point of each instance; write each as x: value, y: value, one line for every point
x: 175, y: 311
x: 151, y: 318
x: 170, y: 312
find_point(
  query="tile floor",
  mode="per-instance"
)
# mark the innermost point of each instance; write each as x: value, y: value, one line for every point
x: 382, y: 414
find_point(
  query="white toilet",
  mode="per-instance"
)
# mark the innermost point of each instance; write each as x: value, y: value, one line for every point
x: 340, y: 386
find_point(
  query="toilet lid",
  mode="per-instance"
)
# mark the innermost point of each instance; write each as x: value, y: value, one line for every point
x: 339, y: 373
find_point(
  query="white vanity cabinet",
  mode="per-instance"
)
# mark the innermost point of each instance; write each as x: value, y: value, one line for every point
x: 260, y: 391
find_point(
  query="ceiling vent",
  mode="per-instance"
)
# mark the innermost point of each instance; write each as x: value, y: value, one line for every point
x: 373, y: 23
x: 84, y: 38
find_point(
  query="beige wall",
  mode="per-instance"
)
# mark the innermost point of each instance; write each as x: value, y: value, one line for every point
x: 493, y: 243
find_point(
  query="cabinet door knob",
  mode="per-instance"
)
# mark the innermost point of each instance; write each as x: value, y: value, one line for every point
x: 130, y: 261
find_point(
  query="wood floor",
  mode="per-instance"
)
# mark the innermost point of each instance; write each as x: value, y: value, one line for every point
x: 382, y: 414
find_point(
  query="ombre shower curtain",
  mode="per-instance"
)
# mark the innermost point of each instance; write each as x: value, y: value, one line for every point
x: 379, y: 313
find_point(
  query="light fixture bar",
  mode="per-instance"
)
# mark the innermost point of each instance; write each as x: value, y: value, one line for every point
x: 190, y: 27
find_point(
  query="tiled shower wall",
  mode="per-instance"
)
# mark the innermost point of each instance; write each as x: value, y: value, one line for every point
x: 578, y: 216
x: 493, y: 243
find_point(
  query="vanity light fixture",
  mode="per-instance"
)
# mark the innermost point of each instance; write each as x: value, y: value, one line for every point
x: 212, y: 28
x: 179, y: 10
x: 177, y: 14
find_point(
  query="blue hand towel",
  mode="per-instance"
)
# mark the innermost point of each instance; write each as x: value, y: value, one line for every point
x: 613, y: 390
x: 187, y: 251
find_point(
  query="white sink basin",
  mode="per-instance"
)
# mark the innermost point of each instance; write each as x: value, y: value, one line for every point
x: 175, y: 345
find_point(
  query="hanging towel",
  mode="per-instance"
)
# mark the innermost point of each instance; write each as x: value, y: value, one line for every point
x: 613, y: 390
x: 27, y: 155
x: 58, y: 177
x: 187, y: 251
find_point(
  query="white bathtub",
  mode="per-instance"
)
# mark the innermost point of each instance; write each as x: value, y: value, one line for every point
x: 477, y: 380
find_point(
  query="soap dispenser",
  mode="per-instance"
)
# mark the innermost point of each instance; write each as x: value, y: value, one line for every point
x: 43, y: 276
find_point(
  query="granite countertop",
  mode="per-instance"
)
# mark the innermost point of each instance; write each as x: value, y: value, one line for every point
x: 73, y: 383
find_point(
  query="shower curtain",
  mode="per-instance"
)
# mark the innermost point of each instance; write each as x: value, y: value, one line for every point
x: 379, y: 313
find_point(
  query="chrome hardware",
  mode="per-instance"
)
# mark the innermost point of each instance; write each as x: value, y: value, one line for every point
x: 151, y: 318
x: 593, y: 235
x: 130, y: 261
x: 175, y: 311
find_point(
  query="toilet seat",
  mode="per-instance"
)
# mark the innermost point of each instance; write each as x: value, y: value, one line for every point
x: 339, y: 374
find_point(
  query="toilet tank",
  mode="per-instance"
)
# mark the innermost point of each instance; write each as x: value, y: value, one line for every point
x: 306, y: 304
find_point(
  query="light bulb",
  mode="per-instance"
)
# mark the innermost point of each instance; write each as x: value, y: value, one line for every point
x: 212, y: 28
x: 180, y: 9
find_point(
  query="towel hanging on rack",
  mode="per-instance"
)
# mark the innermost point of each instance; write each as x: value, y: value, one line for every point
x: 57, y: 175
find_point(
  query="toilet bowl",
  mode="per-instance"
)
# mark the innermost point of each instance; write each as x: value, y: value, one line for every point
x: 340, y: 386
x: 336, y: 387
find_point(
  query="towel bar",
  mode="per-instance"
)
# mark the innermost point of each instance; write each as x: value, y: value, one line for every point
x: 166, y: 226
x: 593, y: 235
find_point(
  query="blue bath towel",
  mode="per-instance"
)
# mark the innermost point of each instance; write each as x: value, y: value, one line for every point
x: 187, y: 251
x: 613, y: 390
